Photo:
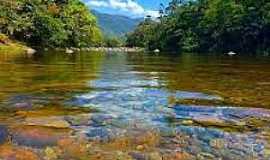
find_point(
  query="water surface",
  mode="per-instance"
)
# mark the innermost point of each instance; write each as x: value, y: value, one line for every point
x: 188, y: 105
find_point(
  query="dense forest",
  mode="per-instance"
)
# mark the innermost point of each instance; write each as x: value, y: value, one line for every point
x: 207, y: 26
x: 51, y: 23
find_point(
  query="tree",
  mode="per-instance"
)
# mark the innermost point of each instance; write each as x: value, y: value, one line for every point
x: 207, y: 26
x: 54, y: 23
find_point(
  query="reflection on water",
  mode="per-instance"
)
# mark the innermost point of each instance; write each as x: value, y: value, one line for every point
x: 179, y: 107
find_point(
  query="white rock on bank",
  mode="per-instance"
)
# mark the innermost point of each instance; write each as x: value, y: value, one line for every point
x: 231, y: 53
x: 156, y: 50
x: 30, y: 51
x: 69, y: 51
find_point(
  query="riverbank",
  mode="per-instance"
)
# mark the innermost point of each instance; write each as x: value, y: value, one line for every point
x: 100, y: 49
x: 8, y: 46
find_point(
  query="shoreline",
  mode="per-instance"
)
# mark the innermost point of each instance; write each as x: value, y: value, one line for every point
x: 99, y: 49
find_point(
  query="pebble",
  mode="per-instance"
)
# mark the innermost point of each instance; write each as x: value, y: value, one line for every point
x: 217, y: 143
x: 50, y: 154
x: 154, y: 156
x: 140, y: 147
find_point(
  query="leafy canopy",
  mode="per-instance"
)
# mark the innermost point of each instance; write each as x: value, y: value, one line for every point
x: 60, y: 23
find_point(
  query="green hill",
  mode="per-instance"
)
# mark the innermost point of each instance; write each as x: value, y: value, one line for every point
x: 116, y: 25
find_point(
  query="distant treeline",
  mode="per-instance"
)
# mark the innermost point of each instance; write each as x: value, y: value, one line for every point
x: 207, y: 26
x: 52, y: 23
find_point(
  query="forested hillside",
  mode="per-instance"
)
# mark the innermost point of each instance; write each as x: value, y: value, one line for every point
x: 53, y: 23
x: 207, y: 26
x: 116, y: 25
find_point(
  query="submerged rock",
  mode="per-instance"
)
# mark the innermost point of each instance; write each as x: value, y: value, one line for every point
x: 23, y: 105
x: 8, y: 152
x: 209, y: 121
x: 79, y: 120
x: 137, y: 156
x: 217, y: 143
x: 54, y: 122
x: 3, y: 134
x: 178, y: 156
x: 73, y: 149
x: 50, y: 154
x: 154, y: 156
x: 98, y: 133
x: 37, y: 137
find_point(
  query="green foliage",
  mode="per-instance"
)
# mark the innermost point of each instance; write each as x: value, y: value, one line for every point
x: 60, y: 23
x: 207, y: 26
x: 113, y: 42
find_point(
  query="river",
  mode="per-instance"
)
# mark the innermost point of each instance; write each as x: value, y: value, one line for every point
x: 95, y: 105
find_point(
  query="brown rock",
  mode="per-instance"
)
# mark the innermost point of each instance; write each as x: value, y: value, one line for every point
x: 9, y: 152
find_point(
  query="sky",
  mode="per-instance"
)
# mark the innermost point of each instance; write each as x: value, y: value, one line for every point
x: 131, y: 8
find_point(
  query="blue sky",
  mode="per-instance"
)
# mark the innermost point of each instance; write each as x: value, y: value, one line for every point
x: 131, y: 8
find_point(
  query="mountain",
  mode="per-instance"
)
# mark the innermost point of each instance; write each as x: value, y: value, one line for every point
x: 116, y: 25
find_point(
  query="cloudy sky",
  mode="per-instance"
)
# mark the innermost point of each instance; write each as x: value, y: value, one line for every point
x: 132, y: 8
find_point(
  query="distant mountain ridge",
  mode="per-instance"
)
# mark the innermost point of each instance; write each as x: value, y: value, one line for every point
x: 115, y: 25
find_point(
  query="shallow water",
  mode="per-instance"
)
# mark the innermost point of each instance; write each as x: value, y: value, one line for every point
x: 193, y: 106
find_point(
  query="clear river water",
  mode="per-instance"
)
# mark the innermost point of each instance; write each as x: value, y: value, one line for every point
x: 97, y: 105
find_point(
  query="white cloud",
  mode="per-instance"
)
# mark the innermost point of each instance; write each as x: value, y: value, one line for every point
x: 97, y: 3
x: 123, y: 5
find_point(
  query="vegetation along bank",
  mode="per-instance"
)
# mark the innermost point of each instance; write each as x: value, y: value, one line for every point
x: 207, y: 26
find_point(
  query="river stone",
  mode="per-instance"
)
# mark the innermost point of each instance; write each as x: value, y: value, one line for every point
x: 137, y: 156
x: 37, y: 137
x: 98, y: 133
x: 55, y: 122
x: 154, y: 156
x: 140, y: 147
x: 23, y: 105
x: 217, y: 143
x: 3, y: 134
x: 204, y: 155
x: 50, y: 153
x: 79, y: 120
x: 101, y: 119
x: 206, y: 120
